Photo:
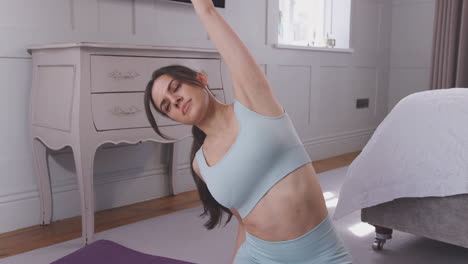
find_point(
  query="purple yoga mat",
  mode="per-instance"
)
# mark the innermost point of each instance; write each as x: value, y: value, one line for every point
x: 105, y: 251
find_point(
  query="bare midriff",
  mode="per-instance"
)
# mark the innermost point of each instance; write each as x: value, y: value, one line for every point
x: 291, y: 208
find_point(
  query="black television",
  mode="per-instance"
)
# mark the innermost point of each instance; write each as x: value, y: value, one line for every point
x: 217, y: 3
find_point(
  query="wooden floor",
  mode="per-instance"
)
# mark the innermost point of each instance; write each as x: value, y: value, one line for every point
x: 26, y: 239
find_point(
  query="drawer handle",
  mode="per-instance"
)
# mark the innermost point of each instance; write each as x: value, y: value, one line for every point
x: 129, y: 111
x: 122, y: 76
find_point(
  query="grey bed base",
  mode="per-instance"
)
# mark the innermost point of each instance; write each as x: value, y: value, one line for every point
x: 441, y: 218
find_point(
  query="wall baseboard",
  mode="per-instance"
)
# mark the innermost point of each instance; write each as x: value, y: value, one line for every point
x: 330, y: 146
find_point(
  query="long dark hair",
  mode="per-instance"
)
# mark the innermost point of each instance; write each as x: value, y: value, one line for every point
x: 186, y: 75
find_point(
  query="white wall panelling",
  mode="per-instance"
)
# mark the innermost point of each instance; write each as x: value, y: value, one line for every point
x: 411, y: 47
x: 291, y: 84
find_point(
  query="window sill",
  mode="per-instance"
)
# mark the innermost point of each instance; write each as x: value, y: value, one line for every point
x: 285, y: 46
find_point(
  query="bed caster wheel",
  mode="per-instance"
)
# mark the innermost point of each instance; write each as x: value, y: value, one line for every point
x: 378, y: 244
x: 382, y: 234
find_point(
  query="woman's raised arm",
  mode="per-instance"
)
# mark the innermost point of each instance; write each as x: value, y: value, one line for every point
x: 246, y: 75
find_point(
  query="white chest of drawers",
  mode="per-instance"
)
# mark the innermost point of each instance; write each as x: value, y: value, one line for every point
x: 86, y: 94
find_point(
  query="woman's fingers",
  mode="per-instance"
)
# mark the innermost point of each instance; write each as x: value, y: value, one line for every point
x: 202, y: 4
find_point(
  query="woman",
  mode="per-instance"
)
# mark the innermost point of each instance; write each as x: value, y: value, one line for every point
x: 247, y: 158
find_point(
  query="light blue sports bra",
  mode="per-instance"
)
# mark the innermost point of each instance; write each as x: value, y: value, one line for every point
x: 265, y: 150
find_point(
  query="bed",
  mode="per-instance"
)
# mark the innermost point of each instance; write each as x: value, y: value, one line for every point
x: 412, y: 175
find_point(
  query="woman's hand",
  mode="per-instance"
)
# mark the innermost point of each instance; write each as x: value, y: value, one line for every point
x: 202, y: 5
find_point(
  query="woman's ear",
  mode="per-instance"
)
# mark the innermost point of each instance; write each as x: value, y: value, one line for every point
x: 203, y: 78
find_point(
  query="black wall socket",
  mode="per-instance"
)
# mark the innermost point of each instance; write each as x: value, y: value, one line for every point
x: 362, y: 103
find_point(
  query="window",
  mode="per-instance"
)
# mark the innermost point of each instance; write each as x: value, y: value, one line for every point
x: 314, y: 23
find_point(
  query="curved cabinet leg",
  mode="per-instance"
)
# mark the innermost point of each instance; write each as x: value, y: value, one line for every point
x: 43, y: 180
x: 84, y: 163
x: 172, y: 167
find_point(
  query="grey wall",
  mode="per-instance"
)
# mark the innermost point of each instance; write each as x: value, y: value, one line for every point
x: 411, y: 48
x: 318, y: 89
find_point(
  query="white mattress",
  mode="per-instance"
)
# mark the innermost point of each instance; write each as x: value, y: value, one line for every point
x: 420, y: 149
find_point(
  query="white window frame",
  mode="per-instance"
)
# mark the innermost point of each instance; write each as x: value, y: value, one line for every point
x: 273, y: 22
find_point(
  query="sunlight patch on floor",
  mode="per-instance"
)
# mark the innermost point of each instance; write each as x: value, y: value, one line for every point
x: 361, y: 229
